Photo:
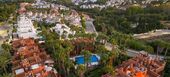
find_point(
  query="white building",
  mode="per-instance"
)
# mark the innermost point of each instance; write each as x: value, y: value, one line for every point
x: 76, y: 21
x: 77, y: 2
x: 25, y: 28
x: 74, y: 18
x: 63, y: 30
x: 41, y: 4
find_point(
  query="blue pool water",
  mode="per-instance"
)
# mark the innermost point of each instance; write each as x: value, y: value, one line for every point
x: 80, y: 59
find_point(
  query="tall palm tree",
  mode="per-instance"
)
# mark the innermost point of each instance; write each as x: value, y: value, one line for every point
x: 167, y: 48
x: 111, y: 58
x: 160, y: 46
x: 6, y: 75
x: 57, y: 53
x: 101, y: 50
x: 61, y: 55
x: 113, y: 55
x: 6, y: 47
x: 104, y: 58
x: 68, y: 64
x: 80, y: 70
x: 87, y: 56
x: 4, y: 60
x: 109, y: 69
x: 62, y: 58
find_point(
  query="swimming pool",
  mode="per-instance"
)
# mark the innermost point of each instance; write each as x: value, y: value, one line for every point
x: 80, y: 59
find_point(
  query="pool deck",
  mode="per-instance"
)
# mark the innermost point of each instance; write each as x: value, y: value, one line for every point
x: 89, y: 64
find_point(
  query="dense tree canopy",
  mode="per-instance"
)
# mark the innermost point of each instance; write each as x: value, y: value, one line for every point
x: 132, y: 20
x: 6, y: 10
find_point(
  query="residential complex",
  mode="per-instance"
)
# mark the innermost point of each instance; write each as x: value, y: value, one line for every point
x: 74, y: 18
x: 63, y: 30
x: 51, y: 38
x: 120, y: 4
x: 77, y: 2
x: 143, y: 65
x: 52, y: 17
x: 41, y: 4
x: 29, y: 60
x: 25, y: 28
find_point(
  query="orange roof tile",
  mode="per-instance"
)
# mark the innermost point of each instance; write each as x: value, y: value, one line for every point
x: 140, y: 74
x: 38, y: 69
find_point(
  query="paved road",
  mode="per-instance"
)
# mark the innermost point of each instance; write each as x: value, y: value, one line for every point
x: 159, y: 32
x: 133, y: 53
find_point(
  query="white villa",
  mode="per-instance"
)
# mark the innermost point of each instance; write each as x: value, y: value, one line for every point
x: 41, y: 4
x: 75, y: 21
x: 52, y: 17
x: 25, y: 28
x: 61, y: 7
x: 63, y: 30
x: 74, y: 18
x: 77, y: 2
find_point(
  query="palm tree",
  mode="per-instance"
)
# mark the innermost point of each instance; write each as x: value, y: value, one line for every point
x: 111, y: 58
x: 68, y: 64
x: 6, y: 47
x: 61, y: 55
x: 6, y: 75
x: 104, y: 58
x: 160, y: 46
x: 113, y: 55
x: 167, y: 48
x: 57, y: 53
x: 4, y: 60
x: 87, y: 56
x: 68, y: 47
x: 61, y: 59
x: 80, y: 70
x: 109, y: 69
x: 101, y: 50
